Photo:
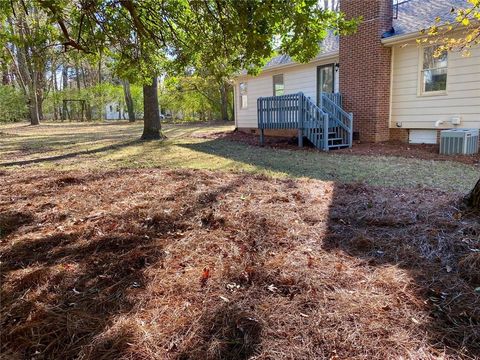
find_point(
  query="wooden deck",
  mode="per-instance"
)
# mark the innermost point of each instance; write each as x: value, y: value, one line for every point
x: 327, y: 126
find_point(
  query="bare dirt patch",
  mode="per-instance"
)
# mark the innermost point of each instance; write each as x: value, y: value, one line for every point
x: 290, y: 143
x: 183, y: 264
x: 409, y: 151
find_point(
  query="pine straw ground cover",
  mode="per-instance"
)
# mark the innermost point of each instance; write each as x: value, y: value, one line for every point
x: 185, y: 264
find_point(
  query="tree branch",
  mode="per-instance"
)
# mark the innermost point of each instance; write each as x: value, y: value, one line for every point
x: 69, y: 41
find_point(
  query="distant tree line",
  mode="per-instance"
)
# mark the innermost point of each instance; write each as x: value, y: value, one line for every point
x: 41, y: 80
x: 50, y: 48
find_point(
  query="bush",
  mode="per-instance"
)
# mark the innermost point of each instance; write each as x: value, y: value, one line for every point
x: 12, y: 104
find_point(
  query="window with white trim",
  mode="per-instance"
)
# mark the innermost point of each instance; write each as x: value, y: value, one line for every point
x: 434, y: 71
x: 278, y: 86
x: 243, y: 95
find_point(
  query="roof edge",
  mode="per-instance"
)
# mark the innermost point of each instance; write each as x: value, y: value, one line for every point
x: 327, y: 56
x: 392, y: 40
x: 398, y: 39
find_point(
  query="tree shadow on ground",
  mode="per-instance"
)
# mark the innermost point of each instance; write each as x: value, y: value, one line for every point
x: 10, y: 221
x: 344, y: 168
x: 432, y: 236
x: 77, y: 289
x: 306, y: 269
x: 61, y: 291
x: 421, y: 231
x: 70, y: 155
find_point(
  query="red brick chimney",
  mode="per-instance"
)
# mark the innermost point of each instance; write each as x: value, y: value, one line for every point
x: 365, y: 68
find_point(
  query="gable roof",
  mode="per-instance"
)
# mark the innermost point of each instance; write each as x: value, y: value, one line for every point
x: 410, y: 16
x: 329, y: 46
x: 415, y: 15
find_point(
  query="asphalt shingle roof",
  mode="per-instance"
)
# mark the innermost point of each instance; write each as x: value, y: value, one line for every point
x: 415, y: 15
x: 329, y: 46
x: 412, y: 16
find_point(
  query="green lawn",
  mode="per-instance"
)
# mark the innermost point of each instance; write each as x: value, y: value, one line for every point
x: 109, y: 146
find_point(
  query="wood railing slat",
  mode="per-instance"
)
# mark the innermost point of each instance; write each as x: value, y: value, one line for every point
x: 296, y: 111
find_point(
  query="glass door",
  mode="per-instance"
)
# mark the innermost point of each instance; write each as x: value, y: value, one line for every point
x: 325, y: 80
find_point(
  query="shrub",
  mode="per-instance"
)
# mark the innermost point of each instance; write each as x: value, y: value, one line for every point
x: 12, y: 104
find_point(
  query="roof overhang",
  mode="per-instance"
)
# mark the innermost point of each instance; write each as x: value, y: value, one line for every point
x: 322, y: 57
x: 399, y: 39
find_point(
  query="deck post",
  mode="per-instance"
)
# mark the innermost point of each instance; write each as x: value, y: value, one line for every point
x: 325, y: 132
x: 350, y: 134
x: 260, y: 119
x: 300, y: 119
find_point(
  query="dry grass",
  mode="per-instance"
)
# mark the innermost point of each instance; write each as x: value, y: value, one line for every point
x: 100, y: 146
x: 185, y: 264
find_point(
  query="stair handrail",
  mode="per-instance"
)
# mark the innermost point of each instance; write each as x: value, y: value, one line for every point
x: 338, y: 110
x: 321, y: 117
x: 298, y: 111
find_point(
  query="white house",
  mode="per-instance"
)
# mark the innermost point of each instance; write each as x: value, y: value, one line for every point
x: 114, y: 111
x: 394, y: 87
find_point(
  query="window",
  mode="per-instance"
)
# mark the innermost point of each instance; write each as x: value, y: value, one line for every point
x: 434, y: 71
x: 278, y: 87
x: 243, y: 95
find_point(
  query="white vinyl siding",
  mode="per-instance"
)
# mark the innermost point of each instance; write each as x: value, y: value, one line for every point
x: 416, y: 111
x: 299, y: 78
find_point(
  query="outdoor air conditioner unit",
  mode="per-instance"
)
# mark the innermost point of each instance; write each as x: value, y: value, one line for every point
x: 459, y: 141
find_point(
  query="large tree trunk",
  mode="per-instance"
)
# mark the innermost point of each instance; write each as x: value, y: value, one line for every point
x: 77, y: 77
x: 5, y: 73
x: 129, y: 101
x: 28, y: 79
x: 33, y: 107
x: 64, y: 87
x: 40, y: 107
x: 224, y: 100
x: 473, y: 199
x: 151, y: 112
x: 54, y: 91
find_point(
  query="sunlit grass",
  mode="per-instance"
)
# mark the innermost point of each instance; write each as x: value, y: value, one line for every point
x: 88, y: 146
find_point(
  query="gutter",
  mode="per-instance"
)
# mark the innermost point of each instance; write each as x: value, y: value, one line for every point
x: 328, y: 56
x: 393, y: 40
x: 398, y: 39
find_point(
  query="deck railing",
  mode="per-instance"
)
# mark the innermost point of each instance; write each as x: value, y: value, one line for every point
x: 326, y: 126
x: 279, y: 112
x: 335, y: 97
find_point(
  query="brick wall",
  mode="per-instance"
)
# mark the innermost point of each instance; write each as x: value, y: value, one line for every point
x: 365, y: 68
x: 397, y: 134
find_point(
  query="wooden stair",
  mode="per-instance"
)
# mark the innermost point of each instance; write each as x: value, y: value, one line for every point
x: 296, y: 111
